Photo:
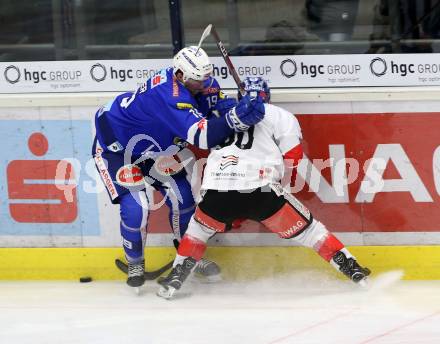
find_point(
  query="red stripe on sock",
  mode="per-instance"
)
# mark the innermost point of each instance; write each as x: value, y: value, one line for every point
x: 191, y: 247
x: 329, y: 247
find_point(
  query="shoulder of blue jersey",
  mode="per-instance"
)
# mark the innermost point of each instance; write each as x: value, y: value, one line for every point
x: 165, y: 83
x: 159, y: 78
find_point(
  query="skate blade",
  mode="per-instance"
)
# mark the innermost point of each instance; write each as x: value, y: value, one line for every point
x: 166, y: 293
x: 208, y: 279
x: 364, y: 283
x: 214, y: 278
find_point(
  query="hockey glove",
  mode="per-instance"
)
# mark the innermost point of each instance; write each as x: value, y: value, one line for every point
x: 223, y: 106
x: 248, y: 112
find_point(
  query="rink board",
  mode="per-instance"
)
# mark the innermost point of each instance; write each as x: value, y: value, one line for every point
x: 62, y: 226
x: 387, y: 195
x: 238, y: 263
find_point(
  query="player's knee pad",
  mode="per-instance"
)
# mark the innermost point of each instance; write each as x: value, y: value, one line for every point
x: 209, y: 222
x: 287, y: 222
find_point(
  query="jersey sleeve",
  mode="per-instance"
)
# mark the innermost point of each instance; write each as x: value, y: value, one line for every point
x: 287, y: 131
x: 186, y: 121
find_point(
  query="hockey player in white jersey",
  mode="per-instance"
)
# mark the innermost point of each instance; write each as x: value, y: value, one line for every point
x: 242, y: 180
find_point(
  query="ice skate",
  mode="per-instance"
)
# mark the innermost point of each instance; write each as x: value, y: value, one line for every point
x: 175, y: 279
x: 350, y: 268
x: 136, y: 275
x: 209, y: 270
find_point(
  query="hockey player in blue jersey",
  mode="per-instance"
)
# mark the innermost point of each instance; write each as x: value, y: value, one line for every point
x: 139, y: 137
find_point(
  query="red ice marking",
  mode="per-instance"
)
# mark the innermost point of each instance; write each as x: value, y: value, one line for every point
x: 38, y: 144
x: 332, y: 319
x: 369, y: 340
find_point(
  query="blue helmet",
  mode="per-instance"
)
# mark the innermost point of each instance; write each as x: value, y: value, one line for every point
x: 256, y: 86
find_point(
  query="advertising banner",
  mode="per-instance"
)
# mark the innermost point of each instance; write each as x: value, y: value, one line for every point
x: 376, y: 172
x: 40, y: 172
x: 372, y: 177
x: 280, y: 71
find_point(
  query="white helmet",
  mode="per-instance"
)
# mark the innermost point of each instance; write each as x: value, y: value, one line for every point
x: 193, y: 62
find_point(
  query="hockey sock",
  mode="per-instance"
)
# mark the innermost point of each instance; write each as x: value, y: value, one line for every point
x: 193, y: 243
x: 192, y: 247
x: 328, y: 246
x: 134, y: 215
x: 133, y: 243
x: 317, y: 236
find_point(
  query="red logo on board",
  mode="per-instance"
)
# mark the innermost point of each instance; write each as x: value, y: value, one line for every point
x: 41, y: 191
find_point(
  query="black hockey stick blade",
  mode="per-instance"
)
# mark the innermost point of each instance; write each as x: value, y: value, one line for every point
x: 149, y: 275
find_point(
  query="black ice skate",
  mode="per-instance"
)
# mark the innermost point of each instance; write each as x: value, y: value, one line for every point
x: 136, y: 274
x: 175, y: 278
x: 209, y: 270
x: 350, y: 268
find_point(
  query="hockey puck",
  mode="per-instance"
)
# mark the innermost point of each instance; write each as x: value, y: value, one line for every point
x: 85, y: 279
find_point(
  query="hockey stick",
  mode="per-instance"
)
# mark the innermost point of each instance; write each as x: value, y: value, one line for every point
x: 205, y: 34
x: 211, y: 29
x: 149, y: 275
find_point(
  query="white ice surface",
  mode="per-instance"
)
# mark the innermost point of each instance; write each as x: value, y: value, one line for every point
x: 302, y: 308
